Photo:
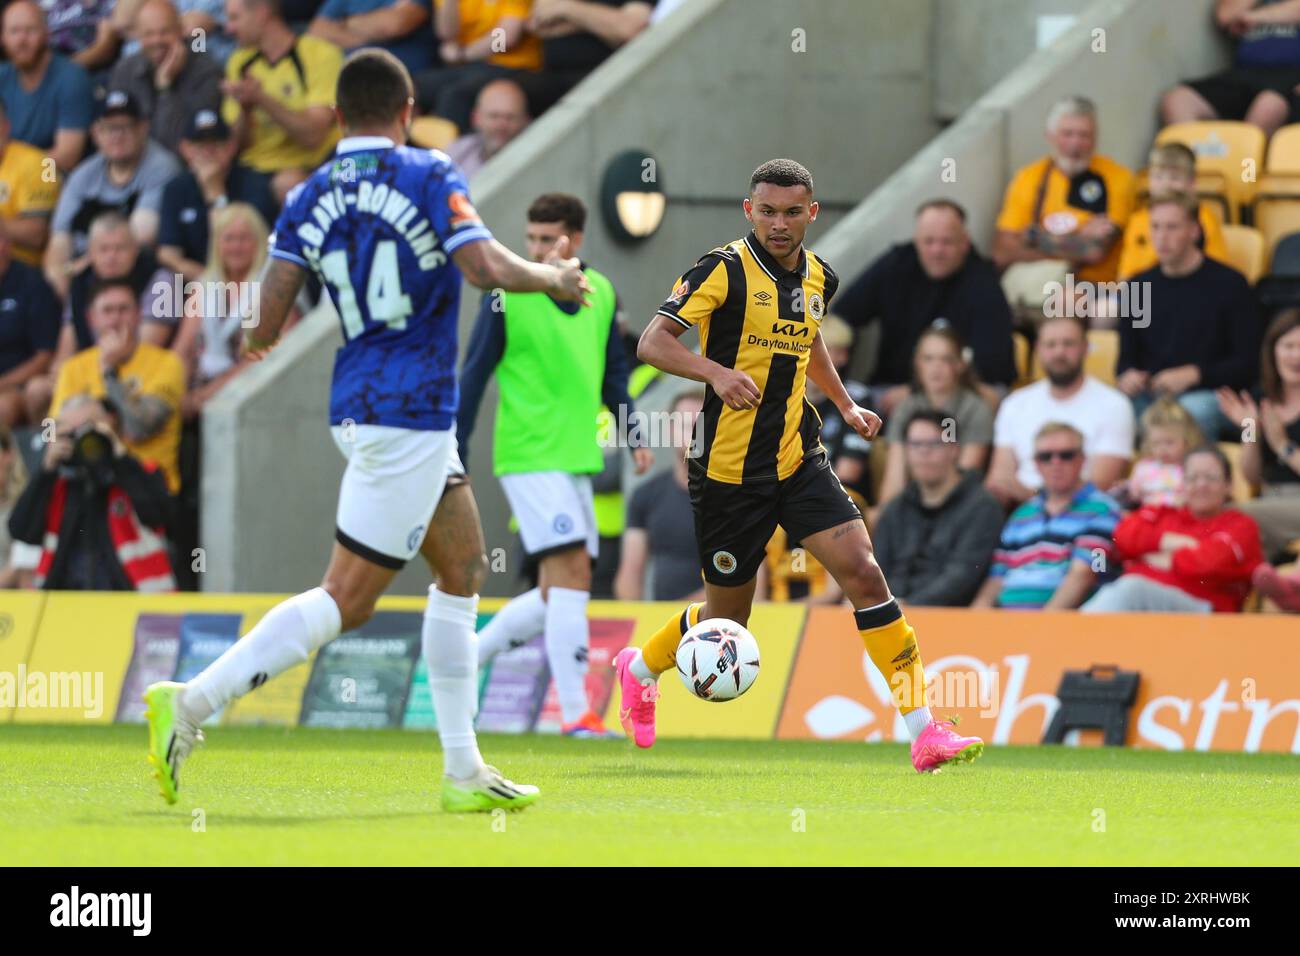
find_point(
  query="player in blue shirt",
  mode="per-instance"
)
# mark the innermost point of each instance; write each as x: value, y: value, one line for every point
x: 390, y: 230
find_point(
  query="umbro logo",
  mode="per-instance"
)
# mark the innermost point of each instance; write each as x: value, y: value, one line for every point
x: 763, y: 298
x: 906, y: 653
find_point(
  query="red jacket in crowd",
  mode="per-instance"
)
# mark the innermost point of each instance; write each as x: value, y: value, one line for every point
x: 1217, y: 570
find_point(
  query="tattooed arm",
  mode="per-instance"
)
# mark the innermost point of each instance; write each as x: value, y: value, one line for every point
x: 278, y: 290
x: 140, y: 416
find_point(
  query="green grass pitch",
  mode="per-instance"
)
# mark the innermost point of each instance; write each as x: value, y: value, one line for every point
x: 83, y: 796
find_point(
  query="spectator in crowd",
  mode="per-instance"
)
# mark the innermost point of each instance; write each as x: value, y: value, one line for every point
x: 29, y: 190
x: 848, y: 452
x: 83, y: 31
x: 114, y: 254
x: 1064, y: 213
x: 46, y: 96
x: 1168, y: 433
x: 127, y: 175
x: 1067, y: 394
x: 1260, y: 85
x: 1270, y: 447
x: 105, y: 509
x: 943, y: 381
x: 938, y: 276
x: 579, y: 35
x: 29, y: 331
x: 203, y: 27
x: 1171, y: 168
x: 399, y: 26
x: 1201, y: 329
x: 478, y: 42
x: 209, y: 338
x: 279, y: 94
x: 934, y: 540
x: 500, y: 114
x: 212, y: 180
x: 13, y: 479
x: 168, y: 81
x: 143, y: 384
x: 1056, y: 547
x: 1194, y: 559
x: 660, y: 530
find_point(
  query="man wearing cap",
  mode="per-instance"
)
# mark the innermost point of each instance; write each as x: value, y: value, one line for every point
x: 169, y: 81
x: 127, y: 174
x: 212, y: 179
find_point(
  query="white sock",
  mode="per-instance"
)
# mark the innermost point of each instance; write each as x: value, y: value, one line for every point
x: 286, y: 635
x: 566, y: 648
x: 917, y: 721
x: 640, y: 669
x: 517, y: 623
x: 449, y: 639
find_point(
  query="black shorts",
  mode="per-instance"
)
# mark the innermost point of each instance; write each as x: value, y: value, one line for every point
x: 1232, y: 91
x: 733, y: 523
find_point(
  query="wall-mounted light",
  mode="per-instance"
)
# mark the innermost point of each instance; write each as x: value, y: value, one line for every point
x: 632, y: 197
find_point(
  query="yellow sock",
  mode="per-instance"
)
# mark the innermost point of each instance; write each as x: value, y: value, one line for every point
x: 891, y: 642
x: 660, y: 652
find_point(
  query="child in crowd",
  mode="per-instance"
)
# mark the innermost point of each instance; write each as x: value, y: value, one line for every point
x: 1168, y: 433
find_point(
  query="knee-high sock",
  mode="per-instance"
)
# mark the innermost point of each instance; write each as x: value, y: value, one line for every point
x: 566, y: 648
x: 660, y: 652
x: 449, y: 652
x: 286, y: 635
x: 517, y: 623
x: 891, y: 643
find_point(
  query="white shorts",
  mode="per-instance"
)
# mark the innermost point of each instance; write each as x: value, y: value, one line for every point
x: 554, y: 509
x: 390, y: 489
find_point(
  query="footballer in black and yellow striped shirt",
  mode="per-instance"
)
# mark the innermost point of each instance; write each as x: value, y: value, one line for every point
x: 756, y: 459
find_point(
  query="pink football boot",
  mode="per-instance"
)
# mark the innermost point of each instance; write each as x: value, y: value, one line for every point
x: 938, y: 744
x: 636, y: 709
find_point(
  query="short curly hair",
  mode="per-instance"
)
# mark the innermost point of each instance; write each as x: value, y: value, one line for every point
x: 781, y: 172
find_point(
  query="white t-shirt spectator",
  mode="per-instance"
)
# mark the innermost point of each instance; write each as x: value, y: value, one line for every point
x: 1101, y: 413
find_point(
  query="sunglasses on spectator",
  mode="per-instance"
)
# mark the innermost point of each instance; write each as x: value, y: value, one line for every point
x: 1066, y: 454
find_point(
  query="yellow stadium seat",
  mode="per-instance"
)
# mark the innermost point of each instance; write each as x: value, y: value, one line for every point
x: 1276, y: 220
x: 433, y: 132
x: 1245, y: 251
x: 1284, y: 152
x: 1242, y: 490
x: 1103, y: 352
x: 1229, y: 159
x: 1024, y: 361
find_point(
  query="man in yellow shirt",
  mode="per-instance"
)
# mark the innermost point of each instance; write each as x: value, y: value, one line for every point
x: 141, y: 383
x: 29, y: 190
x: 1064, y: 213
x: 1171, y: 169
x: 279, y: 94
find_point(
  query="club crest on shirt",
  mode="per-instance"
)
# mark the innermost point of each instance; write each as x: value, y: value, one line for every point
x: 679, y: 293
x: 816, y: 307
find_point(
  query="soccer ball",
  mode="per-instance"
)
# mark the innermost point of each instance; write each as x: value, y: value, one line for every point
x: 717, y: 659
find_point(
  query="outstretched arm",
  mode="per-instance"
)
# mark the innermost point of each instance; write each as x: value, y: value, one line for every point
x: 489, y: 265
x: 278, y: 290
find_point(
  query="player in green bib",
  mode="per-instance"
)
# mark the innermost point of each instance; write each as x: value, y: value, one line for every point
x: 556, y: 364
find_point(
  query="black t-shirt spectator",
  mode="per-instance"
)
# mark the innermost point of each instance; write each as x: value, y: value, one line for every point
x: 896, y: 290
x: 29, y: 316
x: 579, y: 52
x: 183, y: 219
x: 1207, y: 318
x: 662, y: 508
x: 79, y: 294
